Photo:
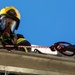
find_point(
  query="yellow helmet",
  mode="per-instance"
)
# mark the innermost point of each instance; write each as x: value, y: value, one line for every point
x: 11, y: 12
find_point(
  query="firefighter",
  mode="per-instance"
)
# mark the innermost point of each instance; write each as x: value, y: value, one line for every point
x: 9, y: 22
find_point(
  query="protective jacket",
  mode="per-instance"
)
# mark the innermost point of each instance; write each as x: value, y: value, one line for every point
x: 9, y: 22
x: 16, y: 40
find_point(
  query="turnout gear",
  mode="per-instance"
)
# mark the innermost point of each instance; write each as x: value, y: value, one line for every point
x: 9, y: 22
x: 20, y: 40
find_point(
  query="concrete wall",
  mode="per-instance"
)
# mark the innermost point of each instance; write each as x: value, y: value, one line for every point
x: 32, y: 63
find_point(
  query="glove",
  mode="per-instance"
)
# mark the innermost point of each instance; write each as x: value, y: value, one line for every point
x: 52, y: 48
x: 61, y: 48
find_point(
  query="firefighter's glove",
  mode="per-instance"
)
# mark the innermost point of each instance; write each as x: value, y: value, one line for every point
x: 52, y: 48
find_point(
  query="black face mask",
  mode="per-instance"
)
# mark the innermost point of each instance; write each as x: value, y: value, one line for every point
x: 7, y: 22
x: 2, y: 26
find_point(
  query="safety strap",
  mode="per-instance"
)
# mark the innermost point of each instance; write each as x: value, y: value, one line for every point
x: 20, y: 40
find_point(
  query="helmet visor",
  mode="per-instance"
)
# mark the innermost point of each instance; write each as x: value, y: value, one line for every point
x: 7, y: 22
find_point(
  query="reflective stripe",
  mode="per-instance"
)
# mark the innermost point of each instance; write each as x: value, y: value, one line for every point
x: 1, y: 37
x: 25, y: 49
x: 20, y: 39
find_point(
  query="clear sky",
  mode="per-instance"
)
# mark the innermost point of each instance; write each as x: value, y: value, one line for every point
x: 44, y: 22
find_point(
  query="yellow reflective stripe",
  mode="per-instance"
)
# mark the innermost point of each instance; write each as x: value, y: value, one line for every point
x: 20, y: 39
x: 1, y: 37
x: 25, y: 49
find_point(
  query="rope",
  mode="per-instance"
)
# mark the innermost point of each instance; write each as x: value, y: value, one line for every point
x: 28, y: 46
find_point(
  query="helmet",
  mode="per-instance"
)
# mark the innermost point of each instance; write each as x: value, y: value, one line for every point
x: 11, y: 13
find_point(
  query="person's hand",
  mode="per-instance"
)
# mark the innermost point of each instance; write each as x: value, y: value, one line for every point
x: 61, y: 47
x: 58, y: 47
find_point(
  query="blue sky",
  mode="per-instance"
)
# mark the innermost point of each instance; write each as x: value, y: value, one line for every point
x: 44, y: 22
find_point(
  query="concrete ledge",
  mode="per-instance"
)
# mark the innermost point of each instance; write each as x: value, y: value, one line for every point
x: 41, y: 64
x: 18, y: 70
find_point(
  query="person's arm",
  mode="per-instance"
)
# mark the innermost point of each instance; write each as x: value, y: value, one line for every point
x: 22, y: 41
x: 71, y: 48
